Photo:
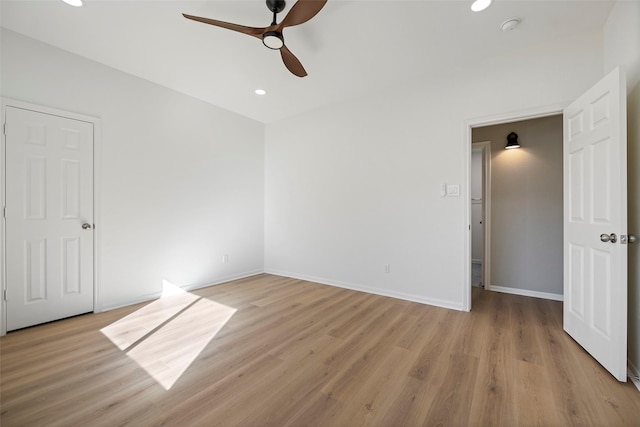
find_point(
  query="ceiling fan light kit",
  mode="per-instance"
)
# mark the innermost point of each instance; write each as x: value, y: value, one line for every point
x: 273, y: 40
x: 271, y: 36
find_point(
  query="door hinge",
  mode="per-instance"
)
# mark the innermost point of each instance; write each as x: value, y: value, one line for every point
x: 4, y: 295
x: 4, y: 128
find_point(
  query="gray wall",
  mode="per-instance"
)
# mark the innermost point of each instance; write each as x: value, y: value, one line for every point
x: 526, y: 205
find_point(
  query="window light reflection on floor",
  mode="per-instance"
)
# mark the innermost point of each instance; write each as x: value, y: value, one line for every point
x: 167, y: 335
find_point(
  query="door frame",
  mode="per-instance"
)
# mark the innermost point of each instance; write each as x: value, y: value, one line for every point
x: 97, y: 173
x: 485, y: 146
x: 469, y: 124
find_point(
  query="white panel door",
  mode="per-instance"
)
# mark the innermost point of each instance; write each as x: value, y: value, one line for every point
x: 49, y: 197
x: 595, y: 222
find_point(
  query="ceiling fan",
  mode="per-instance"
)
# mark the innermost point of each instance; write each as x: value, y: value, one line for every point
x: 271, y: 36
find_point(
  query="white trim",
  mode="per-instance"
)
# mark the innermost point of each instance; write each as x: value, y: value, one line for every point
x: 97, y: 151
x: 376, y: 291
x: 97, y: 213
x: 466, y: 218
x: 517, y: 116
x: 528, y: 293
x: 156, y: 295
x: 514, y: 116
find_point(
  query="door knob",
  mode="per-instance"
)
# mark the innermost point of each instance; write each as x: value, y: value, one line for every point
x: 609, y: 238
x: 86, y: 226
x: 631, y: 238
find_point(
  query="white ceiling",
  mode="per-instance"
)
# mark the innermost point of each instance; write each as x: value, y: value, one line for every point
x: 349, y: 49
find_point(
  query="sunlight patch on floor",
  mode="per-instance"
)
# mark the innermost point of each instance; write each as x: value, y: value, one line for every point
x: 167, y: 335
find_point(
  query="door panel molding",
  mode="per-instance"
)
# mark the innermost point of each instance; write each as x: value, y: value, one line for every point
x: 97, y: 173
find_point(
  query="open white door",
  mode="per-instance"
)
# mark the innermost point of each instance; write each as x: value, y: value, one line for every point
x: 595, y: 222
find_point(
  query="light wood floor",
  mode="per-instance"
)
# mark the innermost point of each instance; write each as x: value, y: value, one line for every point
x: 272, y: 351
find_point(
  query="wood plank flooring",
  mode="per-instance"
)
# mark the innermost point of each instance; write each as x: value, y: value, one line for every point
x: 274, y: 351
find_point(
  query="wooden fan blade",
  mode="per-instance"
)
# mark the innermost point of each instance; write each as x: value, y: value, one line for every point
x: 292, y: 63
x: 301, y: 12
x: 252, y: 31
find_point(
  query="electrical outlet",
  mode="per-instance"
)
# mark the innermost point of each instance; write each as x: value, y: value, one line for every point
x: 225, y: 258
x: 387, y: 268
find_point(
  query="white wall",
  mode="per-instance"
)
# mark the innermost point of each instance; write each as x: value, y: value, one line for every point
x: 526, y: 205
x: 182, y: 181
x: 355, y: 186
x: 622, y: 40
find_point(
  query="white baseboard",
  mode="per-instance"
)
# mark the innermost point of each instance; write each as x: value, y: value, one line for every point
x: 376, y: 291
x: 634, y: 374
x: 156, y: 295
x: 526, y: 293
x: 224, y: 279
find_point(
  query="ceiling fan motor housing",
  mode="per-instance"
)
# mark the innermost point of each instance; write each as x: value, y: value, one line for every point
x: 276, y: 6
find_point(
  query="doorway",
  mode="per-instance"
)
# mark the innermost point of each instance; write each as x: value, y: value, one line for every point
x: 594, y: 200
x: 480, y: 213
x: 518, y: 247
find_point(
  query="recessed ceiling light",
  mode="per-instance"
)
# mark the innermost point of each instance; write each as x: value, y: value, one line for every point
x: 260, y: 92
x: 480, y: 5
x: 76, y: 3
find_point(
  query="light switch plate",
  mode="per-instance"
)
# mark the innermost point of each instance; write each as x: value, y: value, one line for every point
x: 453, y: 190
